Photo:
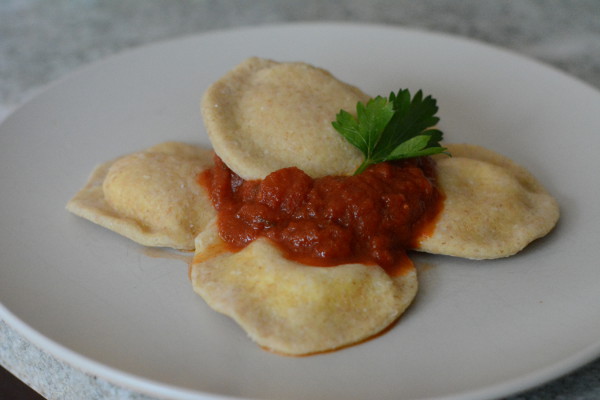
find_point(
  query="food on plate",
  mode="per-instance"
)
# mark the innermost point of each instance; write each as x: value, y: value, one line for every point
x: 493, y: 206
x: 151, y: 196
x: 303, y: 217
x: 264, y: 115
x: 292, y: 309
x: 369, y: 218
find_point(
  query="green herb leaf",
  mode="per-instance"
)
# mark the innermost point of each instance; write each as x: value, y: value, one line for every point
x: 393, y: 128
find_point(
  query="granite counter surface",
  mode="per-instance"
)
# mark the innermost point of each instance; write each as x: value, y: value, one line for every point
x: 41, y: 41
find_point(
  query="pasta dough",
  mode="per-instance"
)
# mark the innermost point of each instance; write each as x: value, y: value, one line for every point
x: 493, y: 207
x: 293, y: 309
x: 152, y: 196
x: 263, y: 116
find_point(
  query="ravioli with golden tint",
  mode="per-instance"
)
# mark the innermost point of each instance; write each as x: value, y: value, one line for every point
x: 152, y: 196
x: 263, y: 116
x: 493, y: 206
x: 290, y: 308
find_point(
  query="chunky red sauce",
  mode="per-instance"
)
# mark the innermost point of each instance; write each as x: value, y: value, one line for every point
x: 369, y: 218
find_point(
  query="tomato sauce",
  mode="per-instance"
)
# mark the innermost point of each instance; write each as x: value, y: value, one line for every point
x: 370, y: 218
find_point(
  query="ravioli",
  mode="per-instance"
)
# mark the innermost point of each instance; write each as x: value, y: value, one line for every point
x: 263, y: 116
x: 151, y: 197
x: 493, y: 206
x: 292, y: 309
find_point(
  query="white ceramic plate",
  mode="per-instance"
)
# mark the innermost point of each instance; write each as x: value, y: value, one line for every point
x: 477, y: 329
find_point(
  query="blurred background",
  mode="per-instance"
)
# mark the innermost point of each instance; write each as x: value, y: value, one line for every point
x: 42, y: 41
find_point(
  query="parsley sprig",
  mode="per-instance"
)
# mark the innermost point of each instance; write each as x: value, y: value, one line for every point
x: 392, y: 128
